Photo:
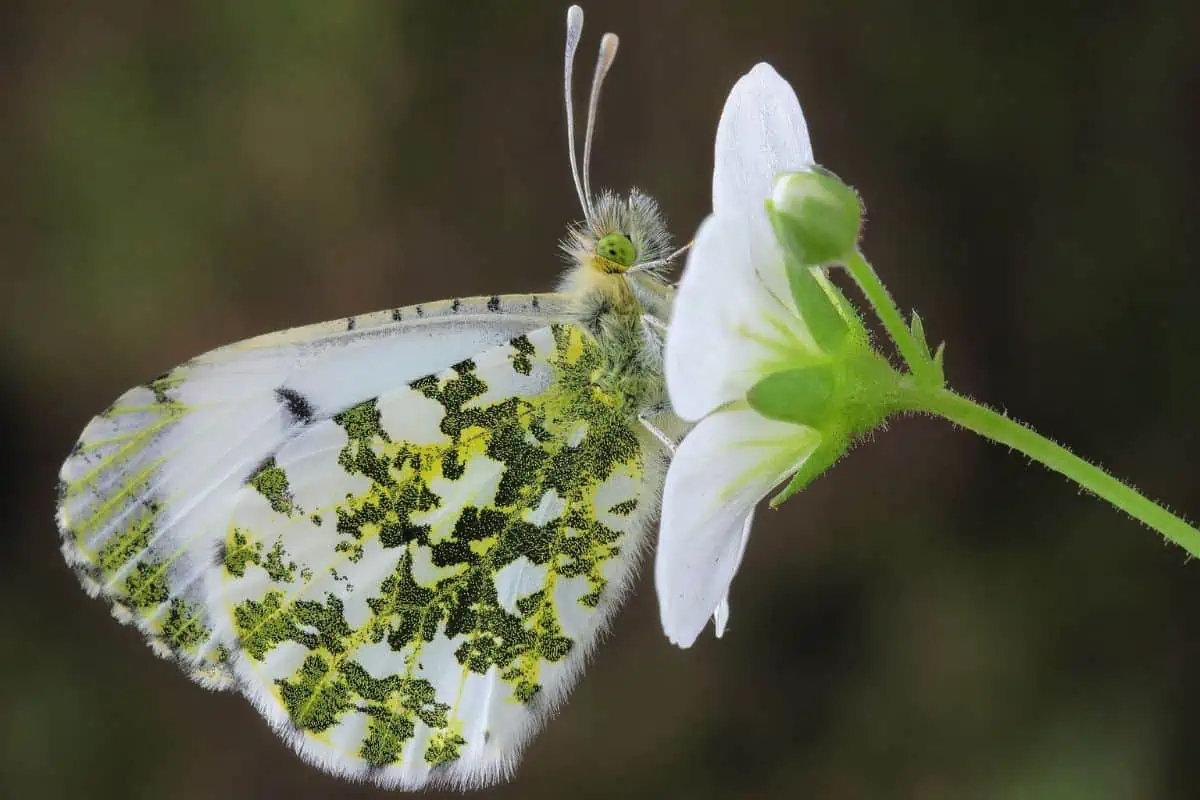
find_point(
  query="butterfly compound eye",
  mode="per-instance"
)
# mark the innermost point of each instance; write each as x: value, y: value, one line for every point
x: 617, y: 248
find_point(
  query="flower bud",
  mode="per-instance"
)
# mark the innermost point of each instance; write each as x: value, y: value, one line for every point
x: 816, y: 217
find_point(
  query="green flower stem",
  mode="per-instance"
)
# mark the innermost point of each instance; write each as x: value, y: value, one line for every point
x: 914, y: 354
x: 999, y: 428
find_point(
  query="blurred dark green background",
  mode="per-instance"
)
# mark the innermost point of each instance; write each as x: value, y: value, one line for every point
x: 934, y: 619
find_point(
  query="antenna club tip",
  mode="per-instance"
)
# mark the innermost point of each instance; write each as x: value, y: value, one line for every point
x: 574, y: 15
x: 608, y: 44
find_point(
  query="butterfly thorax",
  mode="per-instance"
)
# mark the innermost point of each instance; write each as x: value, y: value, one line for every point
x: 616, y: 301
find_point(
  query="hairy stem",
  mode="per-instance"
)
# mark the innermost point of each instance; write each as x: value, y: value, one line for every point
x: 999, y: 428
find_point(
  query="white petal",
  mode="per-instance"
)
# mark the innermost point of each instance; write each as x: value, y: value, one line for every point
x: 728, y: 330
x: 721, y: 615
x: 761, y: 134
x: 722, y: 469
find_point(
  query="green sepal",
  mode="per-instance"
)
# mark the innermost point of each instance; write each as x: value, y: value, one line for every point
x: 824, y: 457
x: 849, y: 312
x: 918, y: 331
x: 933, y: 358
x: 802, y: 395
x: 939, y: 363
x: 822, y: 318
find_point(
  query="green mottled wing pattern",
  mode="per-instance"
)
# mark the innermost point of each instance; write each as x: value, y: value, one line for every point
x: 412, y: 584
x: 145, y: 496
x: 403, y: 564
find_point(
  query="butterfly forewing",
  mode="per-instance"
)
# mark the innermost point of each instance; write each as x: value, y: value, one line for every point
x: 413, y: 583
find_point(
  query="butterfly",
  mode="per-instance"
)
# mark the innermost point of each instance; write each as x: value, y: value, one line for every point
x: 399, y: 534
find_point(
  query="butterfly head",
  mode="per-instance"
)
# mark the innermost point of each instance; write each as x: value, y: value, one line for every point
x: 623, y: 238
x: 623, y: 235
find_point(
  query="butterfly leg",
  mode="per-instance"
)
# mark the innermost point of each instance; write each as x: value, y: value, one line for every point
x: 665, y: 440
x: 655, y: 330
x: 655, y: 324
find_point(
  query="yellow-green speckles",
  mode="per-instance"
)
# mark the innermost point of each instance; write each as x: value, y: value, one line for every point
x: 362, y: 422
x: 240, y: 551
x: 184, y: 629
x: 387, y: 734
x: 277, y: 568
x: 243, y: 548
x: 314, y: 702
x: 394, y: 705
x: 384, y: 511
x: 262, y: 625
x: 545, y: 643
x: 272, y: 483
x: 146, y: 586
x: 321, y: 691
x: 127, y: 545
x: 389, y: 729
x: 445, y: 746
x: 624, y: 508
x: 522, y: 362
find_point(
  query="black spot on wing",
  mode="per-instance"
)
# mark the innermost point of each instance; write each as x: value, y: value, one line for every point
x: 297, y: 405
x: 159, y: 386
x: 536, y: 303
x: 397, y: 315
x: 456, y: 305
x: 351, y: 322
x: 493, y: 303
x: 420, y: 311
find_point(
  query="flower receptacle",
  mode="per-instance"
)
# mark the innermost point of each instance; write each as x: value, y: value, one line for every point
x: 843, y: 399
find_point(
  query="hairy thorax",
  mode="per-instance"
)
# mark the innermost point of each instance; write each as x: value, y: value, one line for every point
x: 619, y: 311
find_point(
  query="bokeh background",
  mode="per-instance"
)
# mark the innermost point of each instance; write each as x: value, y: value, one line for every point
x: 935, y: 618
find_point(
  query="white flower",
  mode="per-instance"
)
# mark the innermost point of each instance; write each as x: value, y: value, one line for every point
x: 734, y: 322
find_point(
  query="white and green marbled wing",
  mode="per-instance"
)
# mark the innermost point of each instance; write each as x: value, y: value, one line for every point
x: 398, y: 535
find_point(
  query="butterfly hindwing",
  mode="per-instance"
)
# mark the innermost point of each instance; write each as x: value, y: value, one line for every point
x: 412, y: 584
x: 144, y: 498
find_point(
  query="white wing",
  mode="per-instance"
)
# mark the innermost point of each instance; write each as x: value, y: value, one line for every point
x: 404, y: 574
x: 414, y: 584
x: 145, y: 495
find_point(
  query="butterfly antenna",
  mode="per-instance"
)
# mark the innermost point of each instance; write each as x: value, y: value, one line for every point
x: 608, y: 54
x: 574, y: 30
